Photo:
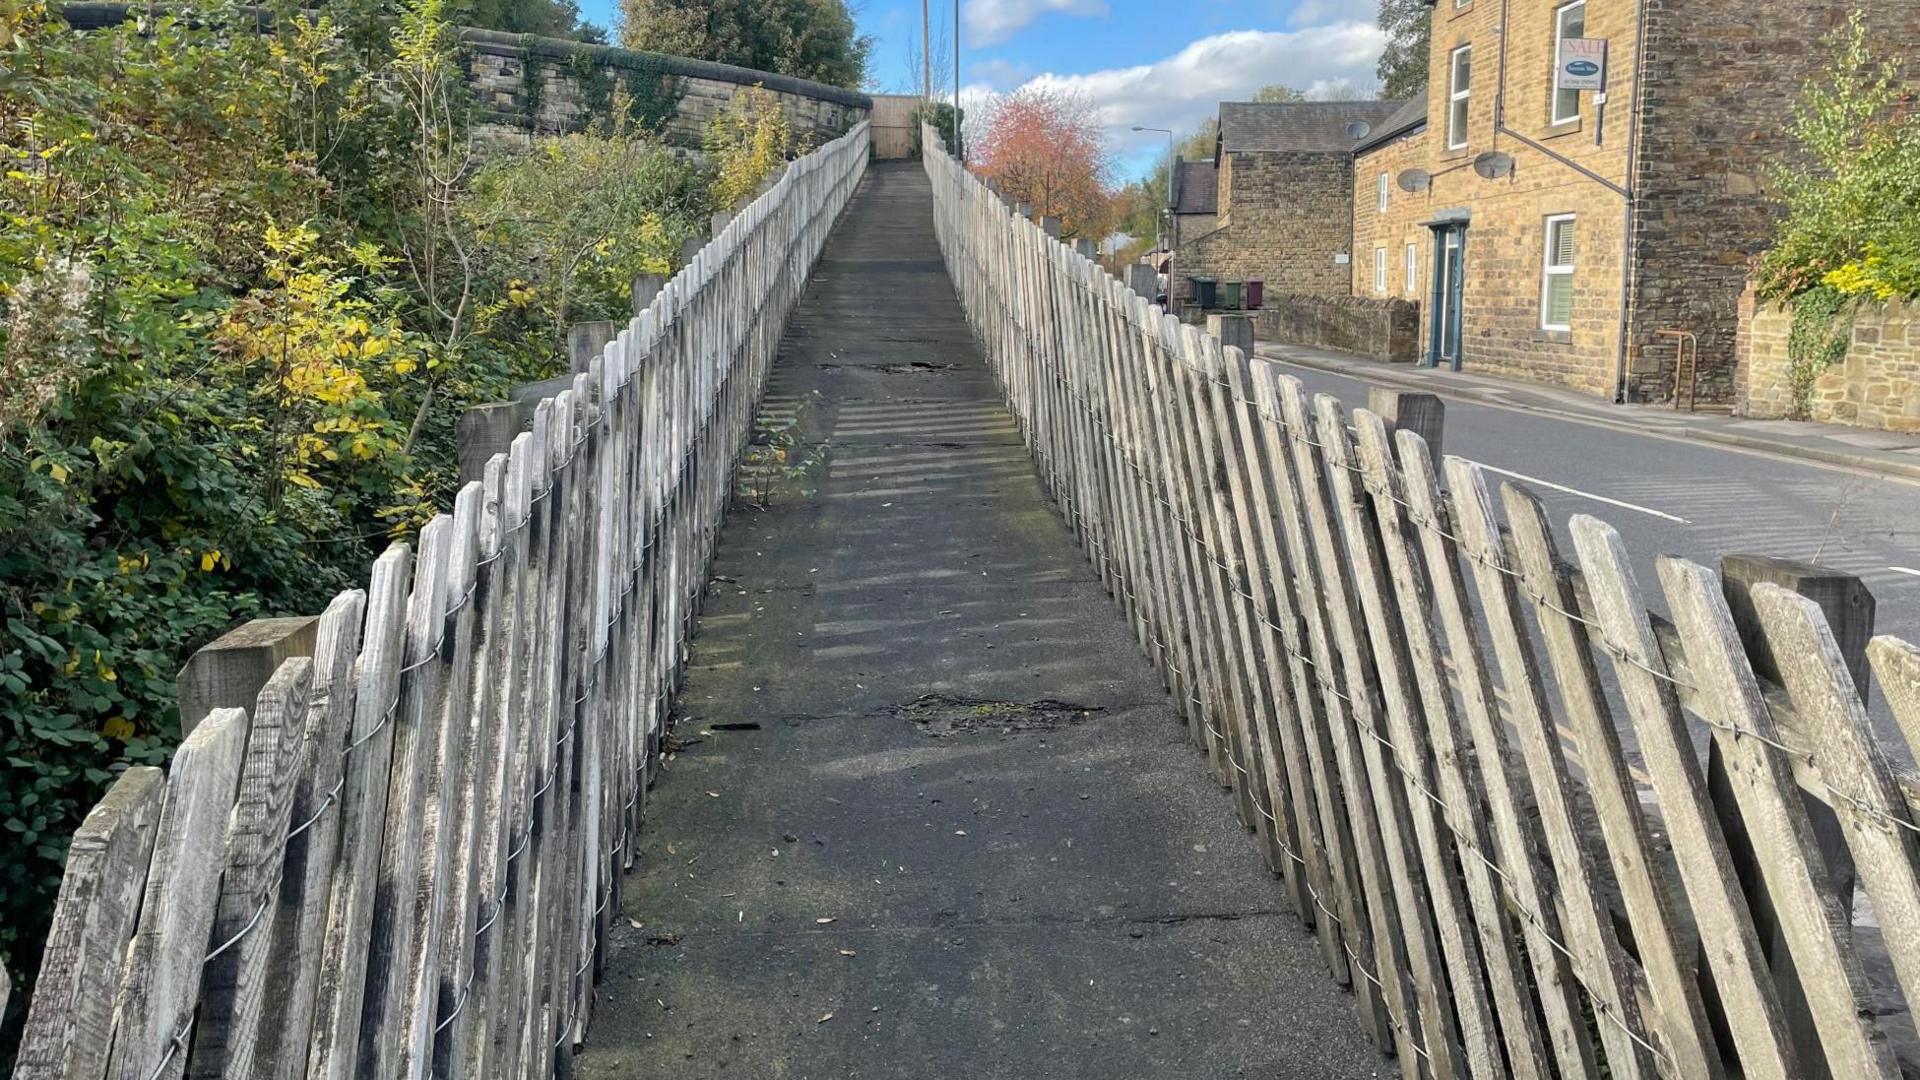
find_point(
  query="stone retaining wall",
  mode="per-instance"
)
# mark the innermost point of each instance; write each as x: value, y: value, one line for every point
x: 1384, y: 329
x: 526, y: 86
x: 1876, y: 386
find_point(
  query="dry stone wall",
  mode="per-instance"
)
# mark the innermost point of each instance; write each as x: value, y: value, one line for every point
x: 1876, y: 386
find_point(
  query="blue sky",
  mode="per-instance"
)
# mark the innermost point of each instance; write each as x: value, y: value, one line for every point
x: 1159, y: 63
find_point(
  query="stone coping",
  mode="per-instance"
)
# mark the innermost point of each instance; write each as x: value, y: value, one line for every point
x: 91, y: 16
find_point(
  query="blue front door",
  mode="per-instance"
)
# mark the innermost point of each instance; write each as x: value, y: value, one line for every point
x: 1449, y: 244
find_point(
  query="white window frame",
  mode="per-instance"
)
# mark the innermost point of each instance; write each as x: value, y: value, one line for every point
x: 1413, y: 270
x: 1553, y: 81
x: 1380, y: 193
x: 1458, y: 96
x: 1380, y: 270
x: 1550, y: 269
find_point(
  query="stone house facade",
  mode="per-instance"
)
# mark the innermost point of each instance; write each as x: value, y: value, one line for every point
x: 1195, y: 196
x: 1283, y: 192
x: 1554, y: 235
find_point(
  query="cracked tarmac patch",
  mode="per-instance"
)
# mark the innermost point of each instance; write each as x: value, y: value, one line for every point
x: 941, y: 715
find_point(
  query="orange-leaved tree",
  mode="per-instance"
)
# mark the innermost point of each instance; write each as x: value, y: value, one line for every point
x: 1045, y: 146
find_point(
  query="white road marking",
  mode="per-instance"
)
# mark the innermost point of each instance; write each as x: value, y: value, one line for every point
x: 1904, y: 570
x: 1587, y: 494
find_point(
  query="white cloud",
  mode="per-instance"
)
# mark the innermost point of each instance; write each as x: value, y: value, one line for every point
x: 1184, y: 89
x: 991, y: 21
x: 997, y: 72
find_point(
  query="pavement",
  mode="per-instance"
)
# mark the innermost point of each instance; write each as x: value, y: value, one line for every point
x: 929, y: 811
x: 1889, y: 452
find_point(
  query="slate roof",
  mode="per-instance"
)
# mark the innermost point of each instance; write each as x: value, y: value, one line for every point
x: 1196, y: 187
x: 1298, y: 125
x: 1410, y: 115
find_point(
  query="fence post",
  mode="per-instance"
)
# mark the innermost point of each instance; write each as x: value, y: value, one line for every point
x: 645, y: 288
x: 1050, y: 225
x: 1023, y: 209
x: 231, y: 670
x: 585, y: 340
x: 1144, y: 280
x: 483, y: 431
x: 1234, y: 331
x: 1849, y: 608
x: 1408, y: 410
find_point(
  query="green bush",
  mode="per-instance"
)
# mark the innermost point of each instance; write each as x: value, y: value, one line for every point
x: 248, y: 282
x: 1852, y: 196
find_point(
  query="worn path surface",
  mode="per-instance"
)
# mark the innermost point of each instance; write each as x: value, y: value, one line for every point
x: 934, y: 815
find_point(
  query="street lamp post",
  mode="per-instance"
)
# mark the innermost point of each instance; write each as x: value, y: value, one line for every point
x: 1165, y: 242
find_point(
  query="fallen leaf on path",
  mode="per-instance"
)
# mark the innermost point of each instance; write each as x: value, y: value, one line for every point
x: 824, y: 1019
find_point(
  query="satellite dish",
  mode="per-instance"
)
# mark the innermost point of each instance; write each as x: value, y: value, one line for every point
x: 1493, y: 164
x: 1358, y: 129
x: 1414, y: 180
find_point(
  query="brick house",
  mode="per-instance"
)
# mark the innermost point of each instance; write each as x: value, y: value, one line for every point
x: 1283, y: 185
x: 1555, y: 234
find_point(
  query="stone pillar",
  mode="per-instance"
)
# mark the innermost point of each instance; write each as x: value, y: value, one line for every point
x: 691, y: 248
x: 1142, y: 279
x: 1418, y: 412
x: 230, y: 671
x: 1087, y: 248
x: 586, y: 340
x: 1849, y: 609
x: 645, y: 288
x: 1024, y: 209
x: 1234, y: 331
x: 718, y: 223
x: 1051, y: 225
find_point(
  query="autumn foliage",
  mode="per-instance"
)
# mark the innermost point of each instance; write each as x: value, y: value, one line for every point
x: 1045, y: 147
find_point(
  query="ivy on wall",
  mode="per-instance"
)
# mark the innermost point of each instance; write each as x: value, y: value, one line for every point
x: 645, y: 94
x: 1822, y: 329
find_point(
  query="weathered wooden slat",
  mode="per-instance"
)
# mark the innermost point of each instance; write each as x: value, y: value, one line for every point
x: 1726, y: 927
x: 1652, y: 907
x: 313, y: 840
x: 340, y: 1002
x: 1853, y: 766
x: 234, y: 986
x: 153, y: 1014
x: 69, y: 1027
x: 1453, y: 779
x: 1771, y: 808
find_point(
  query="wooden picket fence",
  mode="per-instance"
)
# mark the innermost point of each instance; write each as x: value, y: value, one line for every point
x: 1421, y: 708
x: 402, y: 863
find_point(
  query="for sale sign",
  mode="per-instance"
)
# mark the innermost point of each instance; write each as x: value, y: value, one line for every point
x: 1583, y: 64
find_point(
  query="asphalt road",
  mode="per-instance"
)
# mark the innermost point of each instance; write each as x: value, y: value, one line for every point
x: 1698, y: 500
x: 1673, y: 496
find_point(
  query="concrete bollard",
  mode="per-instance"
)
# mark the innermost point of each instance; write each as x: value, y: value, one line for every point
x: 1234, y: 331
x: 230, y: 671
x: 586, y: 340
x: 645, y: 288
x: 1422, y: 413
x: 1143, y: 280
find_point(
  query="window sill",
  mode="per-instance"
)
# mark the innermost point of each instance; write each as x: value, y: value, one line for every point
x: 1457, y: 12
x: 1553, y: 337
x: 1561, y: 131
x: 1457, y: 153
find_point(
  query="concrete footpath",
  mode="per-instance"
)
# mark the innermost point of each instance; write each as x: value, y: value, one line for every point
x: 931, y: 814
x: 1890, y: 453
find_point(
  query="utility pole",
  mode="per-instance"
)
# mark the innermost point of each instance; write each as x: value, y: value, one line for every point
x: 959, y: 144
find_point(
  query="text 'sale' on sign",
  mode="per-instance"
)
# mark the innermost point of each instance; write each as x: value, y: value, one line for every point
x: 1583, y: 64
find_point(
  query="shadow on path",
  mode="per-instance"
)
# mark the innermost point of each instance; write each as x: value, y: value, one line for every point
x: 933, y: 815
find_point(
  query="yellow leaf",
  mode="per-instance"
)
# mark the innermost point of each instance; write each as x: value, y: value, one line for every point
x: 58, y: 471
x: 209, y: 560
x: 118, y: 727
